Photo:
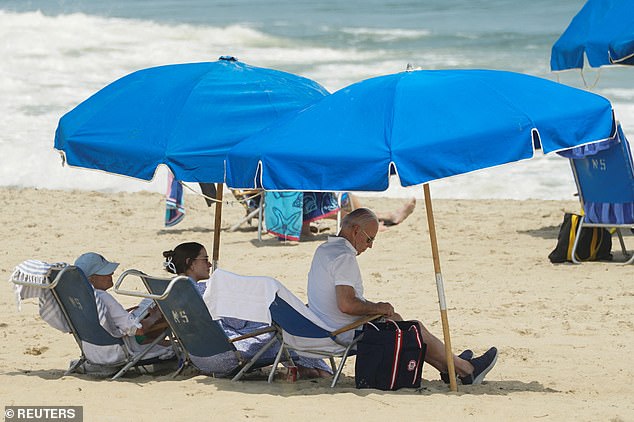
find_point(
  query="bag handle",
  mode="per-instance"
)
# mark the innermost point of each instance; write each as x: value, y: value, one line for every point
x: 385, y: 320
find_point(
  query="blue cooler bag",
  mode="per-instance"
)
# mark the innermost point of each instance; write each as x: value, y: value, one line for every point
x: 390, y: 355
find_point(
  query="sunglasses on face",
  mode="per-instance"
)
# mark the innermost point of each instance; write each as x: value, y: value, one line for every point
x: 369, y: 239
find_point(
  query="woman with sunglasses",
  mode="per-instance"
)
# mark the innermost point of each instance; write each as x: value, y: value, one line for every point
x: 191, y: 259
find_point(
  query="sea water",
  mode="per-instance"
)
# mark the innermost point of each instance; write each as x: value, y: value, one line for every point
x: 54, y: 54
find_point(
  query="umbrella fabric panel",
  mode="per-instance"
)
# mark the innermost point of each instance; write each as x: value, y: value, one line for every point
x: 186, y: 116
x: 490, y: 119
x: 603, y: 30
x: 427, y: 124
x: 322, y: 145
x: 452, y: 123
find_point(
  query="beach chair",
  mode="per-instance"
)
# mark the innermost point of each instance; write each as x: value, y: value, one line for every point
x: 253, y: 202
x: 301, y: 334
x: 197, y: 334
x: 265, y: 299
x: 605, y: 182
x: 76, y: 298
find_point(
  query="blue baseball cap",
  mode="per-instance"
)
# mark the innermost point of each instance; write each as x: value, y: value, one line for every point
x: 92, y: 263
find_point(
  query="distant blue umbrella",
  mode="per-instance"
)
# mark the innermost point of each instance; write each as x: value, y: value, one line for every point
x: 185, y: 116
x: 423, y: 125
x: 603, y: 30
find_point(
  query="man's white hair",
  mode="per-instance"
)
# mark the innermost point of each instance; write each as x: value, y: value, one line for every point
x: 359, y: 217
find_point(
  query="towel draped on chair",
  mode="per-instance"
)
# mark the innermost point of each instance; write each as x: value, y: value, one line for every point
x: 249, y: 298
x: 39, y: 272
x: 174, y: 201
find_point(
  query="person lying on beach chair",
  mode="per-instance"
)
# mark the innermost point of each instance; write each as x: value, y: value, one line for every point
x: 190, y: 259
x: 335, y: 294
x: 292, y: 215
x: 119, y: 321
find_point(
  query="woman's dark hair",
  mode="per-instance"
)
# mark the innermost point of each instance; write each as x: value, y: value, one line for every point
x: 180, y: 259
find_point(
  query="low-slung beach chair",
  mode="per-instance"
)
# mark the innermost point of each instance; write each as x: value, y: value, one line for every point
x: 605, y: 181
x: 253, y: 201
x: 265, y: 299
x: 302, y: 335
x: 76, y: 298
x: 197, y: 333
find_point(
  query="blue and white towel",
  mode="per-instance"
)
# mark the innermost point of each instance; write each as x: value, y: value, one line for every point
x: 174, y: 201
x: 38, y: 272
x: 285, y: 212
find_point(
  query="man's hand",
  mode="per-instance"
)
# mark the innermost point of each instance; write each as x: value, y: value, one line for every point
x: 384, y: 308
x: 349, y: 304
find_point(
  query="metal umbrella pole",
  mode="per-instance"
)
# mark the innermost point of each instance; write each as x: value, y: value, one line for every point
x: 441, y: 289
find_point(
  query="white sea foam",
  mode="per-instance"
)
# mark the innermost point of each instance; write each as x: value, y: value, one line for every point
x: 51, y: 63
x: 384, y: 35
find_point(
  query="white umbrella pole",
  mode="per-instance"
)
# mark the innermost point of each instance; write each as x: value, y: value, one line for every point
x: 441, y: 289
x: 217, y: 223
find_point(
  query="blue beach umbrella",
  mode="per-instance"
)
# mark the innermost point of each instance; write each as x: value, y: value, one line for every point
x: 423, y: 126
x: 603, y: 30
x: 185, y: 116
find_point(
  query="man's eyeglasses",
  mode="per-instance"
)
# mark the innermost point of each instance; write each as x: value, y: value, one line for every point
x: 369, y: 239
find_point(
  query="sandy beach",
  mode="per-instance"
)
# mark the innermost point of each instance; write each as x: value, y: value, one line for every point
x: 565, y: 332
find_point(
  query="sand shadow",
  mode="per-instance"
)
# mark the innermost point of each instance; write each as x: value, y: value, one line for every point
x: 199, y: 229
x: 243, y: 229
x: 256, y: 383
x: 274, y: 241
x: 259, y: 385
x: 46, y: 374
x: 548, y: 232
x: 138, y: 375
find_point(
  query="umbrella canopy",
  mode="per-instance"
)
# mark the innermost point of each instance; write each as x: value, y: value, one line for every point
x: 603, y: 29
x: 423, y: 125
x: 185, y: 116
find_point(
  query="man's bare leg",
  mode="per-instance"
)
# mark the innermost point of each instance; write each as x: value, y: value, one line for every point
x: 435, y: 355
x: 397, y: 217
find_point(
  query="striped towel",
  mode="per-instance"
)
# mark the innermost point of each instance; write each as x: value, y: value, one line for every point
x: 38, y: 272
x: 174, y: 202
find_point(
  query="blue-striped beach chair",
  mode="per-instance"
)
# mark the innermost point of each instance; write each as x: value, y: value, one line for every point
x: 605, y: 182
x: 298, y: 329
x: 76, y: 299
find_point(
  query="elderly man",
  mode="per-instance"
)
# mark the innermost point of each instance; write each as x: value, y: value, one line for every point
x: 335, y: 293
x: 119, y: 322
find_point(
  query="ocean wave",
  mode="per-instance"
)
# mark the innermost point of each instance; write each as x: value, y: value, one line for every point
x: 50, y: 63
x: 386, y: 34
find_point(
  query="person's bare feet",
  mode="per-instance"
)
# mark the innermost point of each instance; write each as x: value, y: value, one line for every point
x: 306, y: 232
x: 398, y: 216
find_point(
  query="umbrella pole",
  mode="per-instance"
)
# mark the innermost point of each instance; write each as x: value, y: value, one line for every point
x: 441, y: 289
x: 217, y: 223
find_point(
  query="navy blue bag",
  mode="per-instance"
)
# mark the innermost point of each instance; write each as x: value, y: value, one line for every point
x: 390, y: 356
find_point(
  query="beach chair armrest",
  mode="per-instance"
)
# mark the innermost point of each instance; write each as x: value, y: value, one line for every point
x: 353, y: 325
x: 137, y: 273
